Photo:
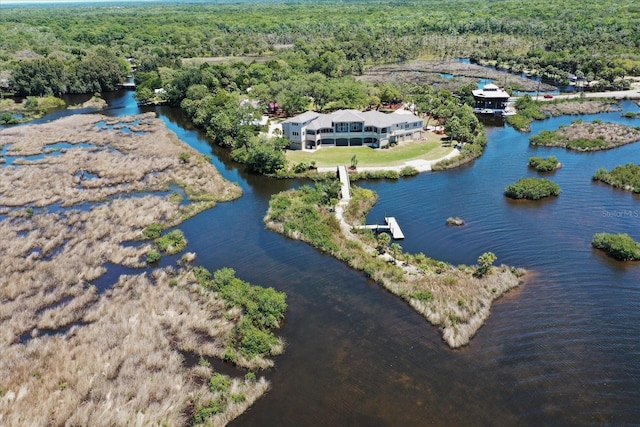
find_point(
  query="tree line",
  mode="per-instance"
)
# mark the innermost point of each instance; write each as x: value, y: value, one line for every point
x: 553, y: 38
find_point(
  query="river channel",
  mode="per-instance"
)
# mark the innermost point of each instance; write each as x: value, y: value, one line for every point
x: 564, y: 349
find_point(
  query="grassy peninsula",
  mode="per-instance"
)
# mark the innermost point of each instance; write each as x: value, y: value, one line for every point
x: 619, y: 246
x: 74, y: 194
x: 456, y: 299
x: 588, y: 136
x: 626, y: 177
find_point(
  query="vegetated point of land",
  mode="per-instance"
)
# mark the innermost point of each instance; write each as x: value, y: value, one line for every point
x: 456, y: 299
x: 78, y: 351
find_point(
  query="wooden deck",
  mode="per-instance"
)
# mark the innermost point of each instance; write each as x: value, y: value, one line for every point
x: 394, y: 227
x: 391, y: 225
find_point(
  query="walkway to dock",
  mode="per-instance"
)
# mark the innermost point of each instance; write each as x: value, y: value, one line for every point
x: 345, y: 195
x: 343, y: 174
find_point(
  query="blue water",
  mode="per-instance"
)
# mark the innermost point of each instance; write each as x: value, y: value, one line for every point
x: 564, y: 349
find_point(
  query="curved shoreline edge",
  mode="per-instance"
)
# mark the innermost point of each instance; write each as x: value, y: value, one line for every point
x: 451, y: 298
x: 75, y: 346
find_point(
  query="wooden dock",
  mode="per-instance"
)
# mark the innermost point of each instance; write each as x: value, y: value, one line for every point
x: 391, y: 225
x: 394, y: 227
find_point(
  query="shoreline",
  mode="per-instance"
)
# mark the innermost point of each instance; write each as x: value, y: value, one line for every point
x: 82, y: 188
x: 451, y: 298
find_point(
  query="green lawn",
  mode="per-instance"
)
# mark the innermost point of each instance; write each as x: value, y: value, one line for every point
x: 429, y: 149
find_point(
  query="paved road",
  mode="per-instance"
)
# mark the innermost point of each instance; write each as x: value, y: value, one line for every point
x: 620, y: 94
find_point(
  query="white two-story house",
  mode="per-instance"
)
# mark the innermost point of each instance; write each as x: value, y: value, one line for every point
x: 348, y: 128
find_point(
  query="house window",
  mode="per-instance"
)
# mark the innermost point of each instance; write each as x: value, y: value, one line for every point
x: 342, y: 127
x: 295, y: 133
x: 368, y: 129
x: 383, y: 130
x: 311, y: 132
x: 356, y: 127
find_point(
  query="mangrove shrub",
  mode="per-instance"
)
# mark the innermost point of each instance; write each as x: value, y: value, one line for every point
x: 532, y: 189
x: 542, y: 164
x: 624, y: 176
x: 618, y: 246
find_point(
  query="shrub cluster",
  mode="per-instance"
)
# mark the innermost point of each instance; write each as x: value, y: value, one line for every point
x: 172, y: 242
x: 528, y: 111
x: 623, y: 176
x: 384, y: 174
x: 532, y: 189
x: 301, y: 211
x: 544, y: 164
x: 548, y: 138
x: 469, y: 152
x: 263, y: 308
x: 585, y: 144
x: 618, y: 246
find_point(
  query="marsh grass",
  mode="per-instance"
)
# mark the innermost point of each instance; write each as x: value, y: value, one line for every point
x: 124, y: 163
x: 578, y: 106
x: 124, y: 366
x: 433, y: 288
x: 72, y: 353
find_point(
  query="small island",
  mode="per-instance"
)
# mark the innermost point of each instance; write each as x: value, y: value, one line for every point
x: 532, y: 189
x: 587, y: 136
x: 626, y: 177
x: 542, y: 164
x: 619, y: 246
x: 456, y: 299
x: 455, y: 221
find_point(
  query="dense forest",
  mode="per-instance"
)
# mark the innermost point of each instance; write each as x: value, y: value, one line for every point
x: 342, y: 38
x: 305, y: 55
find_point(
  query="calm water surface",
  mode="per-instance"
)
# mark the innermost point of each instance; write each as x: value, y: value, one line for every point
x: 562, y: 350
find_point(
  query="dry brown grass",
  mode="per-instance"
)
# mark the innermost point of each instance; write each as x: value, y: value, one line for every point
x: 68, y: 354
x: 578, y: 107
x: 124, y: 162
x: 428, y: 72
x: 123, y: 367
x: 612, y: 133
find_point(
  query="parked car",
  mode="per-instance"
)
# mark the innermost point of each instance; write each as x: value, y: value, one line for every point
x: 548, y: 96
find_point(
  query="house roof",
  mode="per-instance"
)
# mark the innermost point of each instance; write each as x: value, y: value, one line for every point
x: 345, y: 116
x: 490, y: 91
x: 302, y: 118
x: 324, y: 121
x: 368, y: 118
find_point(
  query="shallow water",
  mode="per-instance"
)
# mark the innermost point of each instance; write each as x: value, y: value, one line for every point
x: 562, y: 350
